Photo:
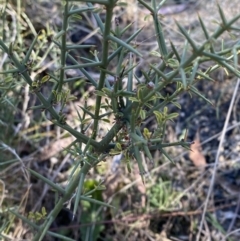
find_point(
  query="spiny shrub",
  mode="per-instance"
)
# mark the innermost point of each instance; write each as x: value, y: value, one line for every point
x: 130, y: 105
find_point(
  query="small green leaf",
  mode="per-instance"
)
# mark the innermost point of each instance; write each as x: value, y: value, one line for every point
x: 147, y: 17
x: 31, y: 215
x: 159, y: 116
x: 8, y: 79
x: 129, y: 167
x: 146, y: 133
x: 171, y: 116
x: 35, y: 84
x: 140, y: 94
x: 176, y: 104
x: 38, y: 216
x: 44, y: 212
x: 165, y: 111
x: 133, y: 99
x: 106, y: 120
x: 59, y: 97
x: 155, y: 53
x: 118, y: 146
x: 45, y: 79
x: 77, y: 17
x: 71, y: 97
x: 142, y: 114
x: 173, y: 63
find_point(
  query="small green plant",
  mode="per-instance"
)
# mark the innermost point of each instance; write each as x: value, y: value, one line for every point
x: 129, y: 106
x: 162, y: 196
x: 37, y: 216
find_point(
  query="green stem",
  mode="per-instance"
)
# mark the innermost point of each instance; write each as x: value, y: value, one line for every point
x: 69, y: 192
x: 159, y: 32
x: 104, y: 64
x: 63, y: 46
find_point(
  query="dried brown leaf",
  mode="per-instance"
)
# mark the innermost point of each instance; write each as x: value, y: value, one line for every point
x: 196, y: 155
